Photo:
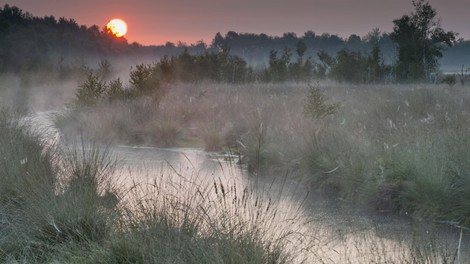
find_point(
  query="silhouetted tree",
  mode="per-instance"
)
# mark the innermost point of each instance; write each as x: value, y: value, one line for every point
x: 349, y: 66
x: 218, y: 42
x: 354, y: 42
x: 279, y: 67
x: 463, y: 75
x: 301, y: 70
x: 420, y: 41
x: 145, y: 81
x: 377, y: 71
x: 301, y: 48
x: 373, y: 37
x: 90, y: 91
x: 326, y: 62
x: 33, y: 43
x: 353, y: 66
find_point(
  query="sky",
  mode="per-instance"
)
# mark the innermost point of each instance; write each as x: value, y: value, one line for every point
x: 155, y: 22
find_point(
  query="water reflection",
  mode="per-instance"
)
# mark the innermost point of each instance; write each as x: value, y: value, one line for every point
x: 314, y: 229
x: 319, y: 230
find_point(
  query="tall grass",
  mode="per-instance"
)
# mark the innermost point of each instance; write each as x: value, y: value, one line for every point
x: 398, y: 147
x: 61, y: 205
x: 50, y: 197
x: 393, y: 148
x: 389, y: 146
x: 27, y: 174
x: 65, y: 207
x: 185, y: 222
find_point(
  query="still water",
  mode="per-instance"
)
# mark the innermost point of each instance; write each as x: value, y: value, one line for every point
x: 324, y: 229
x: 315, y: 229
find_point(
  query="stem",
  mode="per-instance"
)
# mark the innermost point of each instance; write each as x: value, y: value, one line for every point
x: 458, y: 248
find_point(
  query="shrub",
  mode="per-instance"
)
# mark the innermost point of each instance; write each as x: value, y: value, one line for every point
x: 449, y: 79
x: 145, y: 81
x: 317, y: 106
x: 116, y: 91
x: 90, y: 91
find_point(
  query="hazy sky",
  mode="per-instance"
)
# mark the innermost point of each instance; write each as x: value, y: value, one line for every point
x: 159, y: 21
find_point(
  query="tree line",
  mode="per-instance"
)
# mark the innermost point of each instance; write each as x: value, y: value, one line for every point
x: 410, y: 53
x: 29, y: 43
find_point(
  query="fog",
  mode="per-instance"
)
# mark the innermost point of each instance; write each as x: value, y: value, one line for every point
x: 259, y: 136
x: 319, y: 149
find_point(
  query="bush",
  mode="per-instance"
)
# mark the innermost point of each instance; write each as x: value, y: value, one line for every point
x: 316, y: 105
x: 449, y: 79
x: 90, y: 91
x: 145, y: 80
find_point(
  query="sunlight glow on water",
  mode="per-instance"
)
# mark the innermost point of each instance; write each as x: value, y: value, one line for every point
x: 332, y: 236
x: 314, y: 230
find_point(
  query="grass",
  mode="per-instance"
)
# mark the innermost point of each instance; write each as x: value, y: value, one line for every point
x: 61, y: 205
x: 195, y: 226
x: 79, y: 215
x: 393, y: 147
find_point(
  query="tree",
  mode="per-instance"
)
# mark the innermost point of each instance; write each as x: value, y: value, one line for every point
x: 420, y: 41
x: 373, y: 37
x: 90, y: 91
x: 301, y: 70
x: 463, y: 75
x: 376, y: 68
x: 301, y: 48
x: 326, y: 62
x: 349, y: 66
x: 278, y: 67
x: 353, y: 66
x: 145, y: 81
x: 218, y: 42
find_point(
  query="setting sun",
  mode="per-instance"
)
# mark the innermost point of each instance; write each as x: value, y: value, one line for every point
x: 117, y: 26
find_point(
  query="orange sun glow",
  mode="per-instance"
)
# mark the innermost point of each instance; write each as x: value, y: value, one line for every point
x: 117, y: 26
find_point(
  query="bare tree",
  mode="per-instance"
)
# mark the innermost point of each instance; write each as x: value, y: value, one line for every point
x: 464, y: 74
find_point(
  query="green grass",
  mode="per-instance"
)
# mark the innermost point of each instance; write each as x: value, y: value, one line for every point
x: 389, y: 146
x: 400, y: 148
x: 392, y: 148
x: 61, y: 205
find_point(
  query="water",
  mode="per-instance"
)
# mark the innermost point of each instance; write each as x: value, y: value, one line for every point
x: 329, y: 230
x: 320, y: 229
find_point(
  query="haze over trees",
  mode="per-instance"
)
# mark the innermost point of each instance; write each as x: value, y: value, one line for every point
x: 268, y: 108
x: 30, y: 43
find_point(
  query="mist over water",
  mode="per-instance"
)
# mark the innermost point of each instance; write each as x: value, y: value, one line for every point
x: 333, y: 230
x: 337, y: 230
x: 230, y: 148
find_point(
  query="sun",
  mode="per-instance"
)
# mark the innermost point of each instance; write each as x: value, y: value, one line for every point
x: 117, y: 26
